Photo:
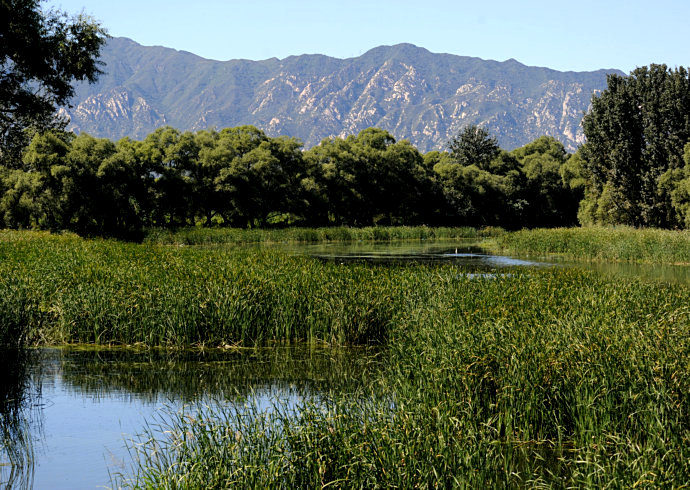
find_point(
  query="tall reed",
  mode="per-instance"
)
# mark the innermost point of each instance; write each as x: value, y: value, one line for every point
x: 600, y: 244
x: 544, y: 378
x: 62, y: 289
x: 535, y: 378
x: 206, y: 236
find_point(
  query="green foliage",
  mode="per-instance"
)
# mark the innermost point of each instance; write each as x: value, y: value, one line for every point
x: 573, y: 173
x: 65, y: 289
x: 42, y: 53
x: 206, y: 236
x: 636, y: 131
x: 675, y: 183
x: 239, y: 177
x: 478, y: 197
x: 80, y: 183
x: 473, y: 145
x: 372, y: 179
x: 551, y: 192
x: 523, y: 188
x: 600, y: 244
x: 549, y: 376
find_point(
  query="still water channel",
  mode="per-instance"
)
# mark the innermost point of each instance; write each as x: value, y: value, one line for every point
x: 68, y: 412
x: 473, y: 259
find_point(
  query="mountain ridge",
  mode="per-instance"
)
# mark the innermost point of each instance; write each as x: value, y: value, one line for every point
x: 415, y: 94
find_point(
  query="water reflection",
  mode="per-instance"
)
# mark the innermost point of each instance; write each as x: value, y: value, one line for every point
x: 466, y: 255
x: 152, y: 375
x: 660, y: 273
x: 68, y: 412
x: 18, y: 398
x: 476, y: 261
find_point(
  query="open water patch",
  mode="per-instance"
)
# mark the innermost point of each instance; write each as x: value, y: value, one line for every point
x: 470, y: 257
x: 77, y: 407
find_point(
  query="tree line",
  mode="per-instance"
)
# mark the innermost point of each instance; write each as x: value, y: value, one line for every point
x: 241, y: 177
x: 633, y: 169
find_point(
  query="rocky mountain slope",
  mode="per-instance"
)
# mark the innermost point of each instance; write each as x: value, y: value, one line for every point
x: 415, y: 94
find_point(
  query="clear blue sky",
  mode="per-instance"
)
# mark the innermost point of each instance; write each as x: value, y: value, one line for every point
x: 564, y: 35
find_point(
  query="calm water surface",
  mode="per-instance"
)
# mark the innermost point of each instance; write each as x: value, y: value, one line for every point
x: 468, y: 255
x: 465, y: 254
x: 78, y: 407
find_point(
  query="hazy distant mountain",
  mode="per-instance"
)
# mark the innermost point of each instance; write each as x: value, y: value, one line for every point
x: 415, y: 94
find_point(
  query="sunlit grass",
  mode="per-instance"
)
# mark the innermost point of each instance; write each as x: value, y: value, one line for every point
x: 600, y: 244
x: 64, y: 289
x: 544, y: 377
x: 206, y: 236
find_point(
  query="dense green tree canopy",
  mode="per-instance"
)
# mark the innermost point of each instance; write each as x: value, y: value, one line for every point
x: 241, y: 177
x: 549, y: 198
x: 41, y: 54
x: 474, y: 145
x: 524, y: 187
x: 372, y: 179
x: 636, y: 131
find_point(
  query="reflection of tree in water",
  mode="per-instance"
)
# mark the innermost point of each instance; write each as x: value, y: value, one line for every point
x: 154, y: 375
x: 18, y: 393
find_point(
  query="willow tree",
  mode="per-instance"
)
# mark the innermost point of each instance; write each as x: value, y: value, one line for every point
x: 42, y: 54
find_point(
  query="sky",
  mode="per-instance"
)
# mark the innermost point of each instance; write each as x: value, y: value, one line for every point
x: 563, y: 35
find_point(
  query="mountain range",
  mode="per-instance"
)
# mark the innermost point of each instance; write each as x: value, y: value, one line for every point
x: 415, y: 94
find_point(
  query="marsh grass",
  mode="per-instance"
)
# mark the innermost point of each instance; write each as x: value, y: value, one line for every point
x: 542, y: 378
x: 599, y: 244
x: 547, y: 378
x: 62, y: 289
x: 208, y: 236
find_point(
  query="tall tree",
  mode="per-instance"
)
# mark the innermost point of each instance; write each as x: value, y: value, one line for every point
x: 169, y: 157
x: 635, y: 130
x: 676, y: 183
x: 481, y: 183
x: 372, y: 179
x: 236, y: 154
x: 489, y: 196
x: 549, y: 197
x: 474, y: 145
x: 41, y: 54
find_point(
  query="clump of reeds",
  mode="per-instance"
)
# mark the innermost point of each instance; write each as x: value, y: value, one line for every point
x: 537, y: 378
x: 600, y: 244
x: 64, y: 289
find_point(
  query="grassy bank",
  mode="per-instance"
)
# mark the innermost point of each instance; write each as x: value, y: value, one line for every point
x: 599, y: 244
x: 207, y: 236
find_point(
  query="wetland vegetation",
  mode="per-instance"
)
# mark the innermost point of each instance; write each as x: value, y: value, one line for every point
x: 620, y: 244
x: 540, y: 377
